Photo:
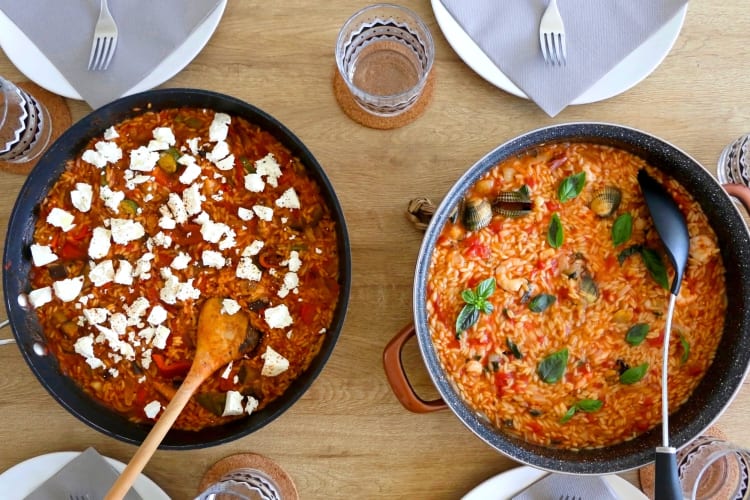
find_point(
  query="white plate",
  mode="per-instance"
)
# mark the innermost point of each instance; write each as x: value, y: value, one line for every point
x: 633, y: 69
x: 37, y: 68
x: 23, y: 478
x: 506, y: 485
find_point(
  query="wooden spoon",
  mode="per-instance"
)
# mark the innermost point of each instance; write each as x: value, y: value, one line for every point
x: 221, y: 338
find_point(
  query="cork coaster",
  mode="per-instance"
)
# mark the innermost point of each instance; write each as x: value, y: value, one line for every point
x: 647, y: 474
x: 59, y: 116
x: 359, y: 115
x: 287, y: 488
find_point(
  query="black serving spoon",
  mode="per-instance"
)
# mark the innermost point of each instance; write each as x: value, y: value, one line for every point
x: 673, y: 231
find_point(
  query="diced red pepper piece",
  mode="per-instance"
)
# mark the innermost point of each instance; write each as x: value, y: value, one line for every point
x: 171, y: 370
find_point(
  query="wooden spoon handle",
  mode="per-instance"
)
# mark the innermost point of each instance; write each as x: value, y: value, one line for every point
x: 151, y: 443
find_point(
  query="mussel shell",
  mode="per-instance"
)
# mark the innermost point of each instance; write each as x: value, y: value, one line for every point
x: 588, y: 289
x: 606, y: 201
x: 512, y: 204
x: 476, y: 214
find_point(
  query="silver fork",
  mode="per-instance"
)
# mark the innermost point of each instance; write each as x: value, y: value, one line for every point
x: 552, y: 35
x: 568, y: 497
x: 105, y: 40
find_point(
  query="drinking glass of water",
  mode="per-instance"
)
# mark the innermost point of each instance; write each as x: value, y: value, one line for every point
x: 384, y: 54
x: 25, y: 125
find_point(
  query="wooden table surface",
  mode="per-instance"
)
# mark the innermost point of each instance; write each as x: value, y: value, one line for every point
x: 348, y: 437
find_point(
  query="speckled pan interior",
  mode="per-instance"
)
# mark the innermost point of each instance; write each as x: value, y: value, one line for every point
x: 730, y: 366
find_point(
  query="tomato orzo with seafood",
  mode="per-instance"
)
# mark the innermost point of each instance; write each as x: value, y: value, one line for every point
x: 159, y: 213
x: 547, y: 293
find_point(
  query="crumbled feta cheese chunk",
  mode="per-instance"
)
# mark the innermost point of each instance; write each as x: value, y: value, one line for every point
x: 136, y: 310
x: 212, y: 258
x: 164, y: 136
x: 181, y: 261
x: 220, y: 151
x: 111, y: 199
x: 192, y: 199
x: 291, y: 281
x: 253, y: 249
x: 219, y: 127
x: 102, y: 153
x: 40, y: 296
x: 233, y: 404
x: 263, y: 213
x: 85, y: 347
x: 68, y: 289
x: 246, y: 269
x: 254, y: 183
x: 227, y: 371
x: 102, y: 273
x: 125, y: 230
x: 42, y: 255
x: 161, y: 334
x: 251, y: 405
x: 111, y: 133
x: 100, y: 243
x: 273, y: 363
x: 81, y: 196
x: 143, y: 159
x: 288, y: 199
x: 226, y: 163
x: 229, y: 306
x: 157, y: 316
x: 96, y: 315
x: 192, y: 170
x: 294, y: 261
x: 278, y: 317
x: 152, y: 409
x: 124, y: 274
x: 245, y: 213
x: 177, y: 206
x: 268, y: 167
x: 61, y: 218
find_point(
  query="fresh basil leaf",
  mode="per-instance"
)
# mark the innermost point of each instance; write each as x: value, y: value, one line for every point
x: 469, y: 296
x: 541, y: 302
x: 655, y: 266
x: 685, y: 350
x: 555, y: 232
x: 637, y: 333
x: 513, y: 348
x: 552, y: 368
x: 622, y: 229
x: 466, y: 319
x: 571, y: 186
x: 589, y: 405
x: 568, y: 414
x: 486, y: 307
x: 485, y: 288
x: 634, y: 374
x: 633, y: 249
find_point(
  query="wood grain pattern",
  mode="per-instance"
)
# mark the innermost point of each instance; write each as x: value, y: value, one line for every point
x: 348, y: 437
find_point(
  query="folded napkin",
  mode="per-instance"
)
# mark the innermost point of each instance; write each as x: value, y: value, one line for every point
x: 599, y: 35
x: 89, y: 473
x: 148, y: 31
x: 556, y: 486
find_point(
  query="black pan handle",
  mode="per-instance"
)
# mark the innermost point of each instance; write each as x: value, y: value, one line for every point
x: 667, y: 478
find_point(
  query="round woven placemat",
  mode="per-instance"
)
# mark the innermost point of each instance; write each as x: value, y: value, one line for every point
x: 647, y: 474
x: 287, y: 488
x: 59, y: 115
x: 355, y: 112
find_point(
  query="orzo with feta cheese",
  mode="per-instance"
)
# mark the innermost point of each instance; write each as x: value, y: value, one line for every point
x: 159, y: 213
x: 547, y: 293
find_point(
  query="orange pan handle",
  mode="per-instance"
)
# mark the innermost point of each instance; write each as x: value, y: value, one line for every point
x: 394, y: 371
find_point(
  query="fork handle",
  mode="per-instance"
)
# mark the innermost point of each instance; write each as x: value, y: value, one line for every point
x: 667, y: 485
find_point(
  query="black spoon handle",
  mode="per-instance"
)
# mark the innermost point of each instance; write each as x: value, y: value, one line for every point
x: 667, y: 478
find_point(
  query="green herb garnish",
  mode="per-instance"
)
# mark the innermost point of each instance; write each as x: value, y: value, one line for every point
x: 552, y: 368
x: 513, y: 348
x: 685, y: 350
x: 637, y: 333
x: 634, y: 374
x: 541, y: 302
x: 655, y: 266
x: 587, y: 405
x: 622, y: 229
x: 555, y: 232
x: 476, y: 302
x: 571, y: 186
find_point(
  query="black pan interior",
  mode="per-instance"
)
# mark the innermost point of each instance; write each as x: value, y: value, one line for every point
x: 16, y: 265
x: 730, y: 365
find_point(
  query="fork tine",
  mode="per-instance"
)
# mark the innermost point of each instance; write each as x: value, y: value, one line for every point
x: 103, y: 53
x: 543, y: 43
x: 94, y: 53
x: 112, y: 45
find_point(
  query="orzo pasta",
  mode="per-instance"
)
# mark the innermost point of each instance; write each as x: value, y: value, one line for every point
x: 160, y: 212
x: 547, y: 293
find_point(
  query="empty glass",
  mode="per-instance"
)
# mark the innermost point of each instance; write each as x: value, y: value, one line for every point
x: 384, y: 53
x: 242, y: 484
x: 712, y: 468
x: 25, y: 125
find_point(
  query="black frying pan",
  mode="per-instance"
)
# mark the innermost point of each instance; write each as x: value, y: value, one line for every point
x: 16, y: 265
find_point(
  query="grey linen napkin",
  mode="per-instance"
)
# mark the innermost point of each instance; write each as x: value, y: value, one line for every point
x: 556, y: 486
x: 89, y: 473
x: 599, y: 33
x: 149, y: 30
